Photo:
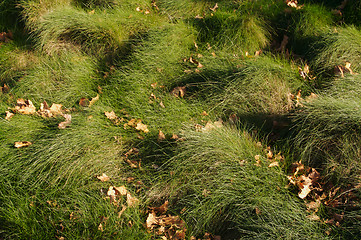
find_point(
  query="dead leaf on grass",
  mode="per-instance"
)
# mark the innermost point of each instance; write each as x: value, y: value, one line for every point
x: 274, y: 164
x: 121, y: 190
x: 84, y: 102
x: 25, y: 106
x: 22, y: 144
x: 142, y: 127
x: 179, y: 91
x: 161, y: 136
x: 66, y: 123
x: 162, y: 209
x: 132, y: 201
x: 9, y: 115
x: 103, y: 178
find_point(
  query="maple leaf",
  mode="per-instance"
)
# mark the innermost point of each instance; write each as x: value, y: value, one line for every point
x: 22, y: 144
x: 103, y: 178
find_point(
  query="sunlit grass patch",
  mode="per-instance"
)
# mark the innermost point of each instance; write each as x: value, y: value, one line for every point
x: 223, y: 189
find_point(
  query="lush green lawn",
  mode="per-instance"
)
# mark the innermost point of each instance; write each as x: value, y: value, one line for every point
x: 240, y: 118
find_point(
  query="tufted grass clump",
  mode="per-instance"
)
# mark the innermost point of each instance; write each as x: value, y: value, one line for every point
x: 216, y: 181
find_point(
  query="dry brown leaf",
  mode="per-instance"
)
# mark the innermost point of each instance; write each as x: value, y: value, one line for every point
x: 161, y: 104
x: 84, y: 102
x: 153, y: 85
x: 174, y: 136
x: 55, y: 109
x: 142, y: 127
x: 274, y: 164
x: 152, y: 221
x: 313, y: 206
x: 103, y: 178
x: 179, y: 91
x: 111, y: 194
x: 111, y: 115
x: 161, y: 136
x: 348, y: 67
x: 22, y: 144
x: 25, y: 106
x: 9, y: 115
x: 122, y: 211
x: 120, y: 190
x: 162, y: 209
x: 94, y: 99
x: 214, y: 8
x: 294, y: 4
x: 313, y: 217
x: 132, y: 201
x: 100, y: 227
x: 305, y: 184
x: 66, y: 123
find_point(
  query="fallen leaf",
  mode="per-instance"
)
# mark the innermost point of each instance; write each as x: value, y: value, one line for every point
x: 111, y: 194
x: 294, y: 4
x: 100, y: 227
x: 204, y: 113
x: 22, y: 144
x: 214, y: 8
x: 94, y: 99
x: 313, y: 217
x: 132, y: 201
x: 153, y: 85
x: 162, y: 209
x: 66, y: 123
x: 151, y: 221
x: 348, y: 67
x: 174, y: 136
x: 122, y: 211
x: 25, y: 106
x: 142, y: 127
x: 305, y: 184
x: 274, y: 164
x: 313, y: 206
x: 161, y: 104
x: 120, y: 190
x: 110, y: 115
x: 161, y: 136
x: 179, y: 91
x: 55, y: 109
x: 84, y: 102
x: 103, y: 178
x: 9, y: 115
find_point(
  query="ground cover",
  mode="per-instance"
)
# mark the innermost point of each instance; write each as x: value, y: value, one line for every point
x: 179, y: 119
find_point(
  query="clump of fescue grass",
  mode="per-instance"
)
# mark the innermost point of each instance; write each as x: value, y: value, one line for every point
x: 55, y: 177
x: 222, y: 189
x: 62, y: 79
x: 100, y: 31
x: 261, y: 85
x: 339, y: 47
x: 327, y: 126
x: 310, y: 23
x: 235, y: 32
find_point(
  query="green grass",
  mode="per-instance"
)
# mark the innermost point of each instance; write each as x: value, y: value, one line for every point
x: 133, y: 54
x: 216, y: 180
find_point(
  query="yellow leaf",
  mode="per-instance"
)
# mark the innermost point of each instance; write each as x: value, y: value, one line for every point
x: 103, y: 178
x: 22, y: 144
x: 66, y: 123
x: 25, y: 106
x: 142, y: 127
x: 9, y: 115
x: 151, y: 220
x: 56, y: 109
x: 94, y: 99
x: 100, y: 227
x: 110, y: 115
x: 161, y: 136
x: 132, y: 201
x: 274, y: 164
x: 121, y: 190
